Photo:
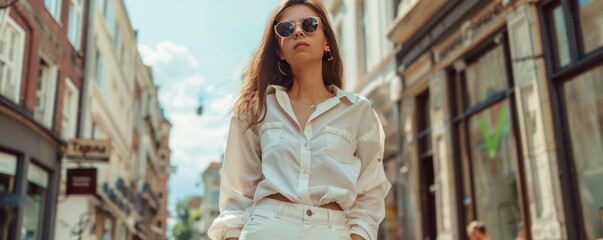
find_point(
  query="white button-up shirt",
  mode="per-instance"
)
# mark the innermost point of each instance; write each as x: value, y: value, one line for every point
x: 337, y: 157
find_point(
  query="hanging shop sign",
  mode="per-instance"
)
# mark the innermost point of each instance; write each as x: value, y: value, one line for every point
x: 84, y: 149
x: 81, y: 181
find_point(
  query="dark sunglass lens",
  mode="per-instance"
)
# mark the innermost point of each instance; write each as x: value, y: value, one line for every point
x: 285, y: 29
x: 310, y: 24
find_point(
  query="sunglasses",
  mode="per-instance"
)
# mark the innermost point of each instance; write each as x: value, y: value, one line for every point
x: 286, y: 28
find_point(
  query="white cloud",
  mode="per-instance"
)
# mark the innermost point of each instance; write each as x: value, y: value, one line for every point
x: 167, y: 52
x: 176, y: 72
x: 172, y: 65
x: 222, y: 105
x: 195, y: 140
x: 195, y: 80
x: 210, y: 88
x: 179, y: 98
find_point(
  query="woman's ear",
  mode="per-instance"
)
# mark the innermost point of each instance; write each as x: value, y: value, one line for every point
x: 327, y: 48
x: 279, y: 53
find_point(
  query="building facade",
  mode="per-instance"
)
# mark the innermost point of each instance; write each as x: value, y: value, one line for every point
x: 41, y: 74
x: 210, y: 207
x: 492, y: 111
x: 500, y: 118
x: 162, y: 178
x: 119, y: 105
x: 370, y: 70
x: 148, y: 165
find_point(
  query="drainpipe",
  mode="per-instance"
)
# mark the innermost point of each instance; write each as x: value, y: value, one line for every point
x: 88, y: 59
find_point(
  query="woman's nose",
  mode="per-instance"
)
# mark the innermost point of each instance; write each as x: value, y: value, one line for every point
x: 298, y: 31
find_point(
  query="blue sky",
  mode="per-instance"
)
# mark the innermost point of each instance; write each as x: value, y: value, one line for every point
x: 198, y: 50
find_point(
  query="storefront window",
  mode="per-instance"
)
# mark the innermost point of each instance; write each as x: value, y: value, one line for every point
x: 492, y: 147
x: 560, y: 33
x: 584, y: 103
x: 408, y: 199
x: 486, y: 76
x: 487, y: 145
x: 34, y: 203
x: 8, y: 201
x: 108, y: 229
x: 426, y: 167
x: 591, y: 20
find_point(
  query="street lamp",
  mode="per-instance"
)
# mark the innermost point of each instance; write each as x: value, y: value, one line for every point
x: 200, y: 107
x: 200, y: 110
x: 7, y: 3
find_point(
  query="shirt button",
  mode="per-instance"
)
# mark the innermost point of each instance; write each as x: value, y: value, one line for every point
x: 309, y: 212
x: 305, y: 171
x: 305, y: 145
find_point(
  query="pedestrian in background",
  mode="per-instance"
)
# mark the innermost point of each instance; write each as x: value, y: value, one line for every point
x: 304, y: 159
x: 477, y: 231
x: 521, y: 234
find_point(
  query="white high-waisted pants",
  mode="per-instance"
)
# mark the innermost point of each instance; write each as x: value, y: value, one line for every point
x: 274, y: 219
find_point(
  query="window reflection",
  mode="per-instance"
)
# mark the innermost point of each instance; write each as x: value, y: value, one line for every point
x: 34, y: 203
x: 591, y: 20
x: 584, y: 103
x: 561, y: 40
x: 486, y: 76
x: 8, y: 200
x: 493, y: 154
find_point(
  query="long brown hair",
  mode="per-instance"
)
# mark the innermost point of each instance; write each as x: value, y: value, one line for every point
x: 263, y: 70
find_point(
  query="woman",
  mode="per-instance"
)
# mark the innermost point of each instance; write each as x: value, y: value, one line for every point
x: 303, y: 158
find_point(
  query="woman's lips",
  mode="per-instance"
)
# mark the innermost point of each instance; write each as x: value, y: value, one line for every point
x: 300, y: 44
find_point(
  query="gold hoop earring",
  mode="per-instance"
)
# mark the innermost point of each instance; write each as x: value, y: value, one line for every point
x: 278, y: 64
x: 330, y: 58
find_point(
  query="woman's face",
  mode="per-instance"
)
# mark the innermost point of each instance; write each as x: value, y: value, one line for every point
x: 301, y: 47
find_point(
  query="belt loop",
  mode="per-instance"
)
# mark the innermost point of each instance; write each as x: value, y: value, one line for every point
x: 329, y: 218
x: 279, y: 209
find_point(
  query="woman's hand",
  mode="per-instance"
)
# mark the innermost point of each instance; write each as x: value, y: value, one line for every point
x: 357, y: 237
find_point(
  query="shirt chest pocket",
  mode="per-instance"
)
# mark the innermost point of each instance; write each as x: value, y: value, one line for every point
x: 270, y: 134
x: 340, y: 144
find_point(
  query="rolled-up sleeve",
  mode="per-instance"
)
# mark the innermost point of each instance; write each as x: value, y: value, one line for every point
x: 241, y: 173
x: 368, y: 210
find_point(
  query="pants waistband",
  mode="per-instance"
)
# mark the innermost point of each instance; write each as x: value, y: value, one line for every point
x: 301, y: 211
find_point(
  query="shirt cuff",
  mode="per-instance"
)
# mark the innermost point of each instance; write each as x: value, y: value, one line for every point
x: 356, y: 229
x: 232, y: 233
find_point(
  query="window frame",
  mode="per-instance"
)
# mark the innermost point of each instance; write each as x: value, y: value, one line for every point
x: 44, y: 113
x: 580, y: 63
x: 461, y: 114
x: 32, y: 168
x: 54, y: 7
x: 98, y: 69
x: 68, y: 130
x: 74, y: 31
x: 17, y: 63
x: 426, y: 166
x: 362, y: 18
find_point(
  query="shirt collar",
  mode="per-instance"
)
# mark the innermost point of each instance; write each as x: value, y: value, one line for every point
x: 332, y: 88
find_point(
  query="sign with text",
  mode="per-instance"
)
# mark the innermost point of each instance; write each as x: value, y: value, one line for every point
x: 81, y: 181
x: 88, y: 149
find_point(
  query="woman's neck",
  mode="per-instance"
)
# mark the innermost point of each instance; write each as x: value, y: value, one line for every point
x: 308, y: 85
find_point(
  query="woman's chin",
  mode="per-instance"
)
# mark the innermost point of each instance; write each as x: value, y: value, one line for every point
x: 304, y: 58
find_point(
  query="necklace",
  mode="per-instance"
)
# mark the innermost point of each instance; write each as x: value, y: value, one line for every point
x: 312, y: 106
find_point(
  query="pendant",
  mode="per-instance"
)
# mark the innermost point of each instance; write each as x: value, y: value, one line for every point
x: 312, y: 106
